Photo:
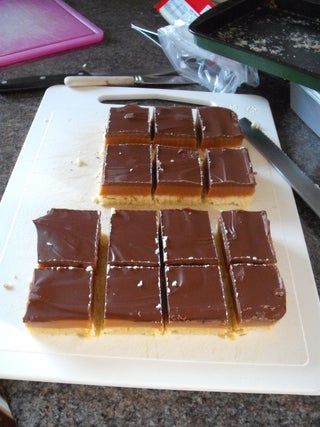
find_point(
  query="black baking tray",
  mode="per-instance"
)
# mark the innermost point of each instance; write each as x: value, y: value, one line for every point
x: 280, y: 37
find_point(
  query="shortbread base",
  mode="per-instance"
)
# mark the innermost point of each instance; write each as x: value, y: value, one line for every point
x: 177, y: 200
x: 243, y: 201
x: 127, y: 328
x: 196, y: 328
x: 125, y: 200
x: 61, y: 328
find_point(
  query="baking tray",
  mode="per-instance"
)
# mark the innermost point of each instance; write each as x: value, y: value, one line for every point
x: 69, y: 126
x: 280, y: 37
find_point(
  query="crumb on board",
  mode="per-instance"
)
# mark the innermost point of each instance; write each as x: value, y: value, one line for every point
x: 8, y: 286
x: 79, y: 162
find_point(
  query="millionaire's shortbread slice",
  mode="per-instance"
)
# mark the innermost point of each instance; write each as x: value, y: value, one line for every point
x: 246, y: 238
x: 196, y: 300
x: 218, y: 127
x: 229, y: 177
x: 133, y: 300
x: 174, y: 126
x: 134, y: 238
x: 179, y: 177
x: 68, y: 238
x: 127, y: 175
x: 186, y: 237
x: 60, y: 301
x: 258, y: 293
x: 129, y: 124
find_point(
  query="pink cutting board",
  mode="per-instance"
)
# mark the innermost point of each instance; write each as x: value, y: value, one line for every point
x: 34, y: 28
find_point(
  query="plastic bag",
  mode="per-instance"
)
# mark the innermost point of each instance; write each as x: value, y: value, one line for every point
x: 215, y: 72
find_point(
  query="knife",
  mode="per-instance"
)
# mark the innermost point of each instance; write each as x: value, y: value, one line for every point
x: 307, y: 189
x: 44, y: 81
x: 135, y: 80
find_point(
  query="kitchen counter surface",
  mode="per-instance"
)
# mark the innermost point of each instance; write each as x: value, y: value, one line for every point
x: 124, y: 51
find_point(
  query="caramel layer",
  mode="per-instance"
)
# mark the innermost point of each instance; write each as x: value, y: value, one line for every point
x: 225, y: 141
x: 164, y: 189
x: 125, y: 190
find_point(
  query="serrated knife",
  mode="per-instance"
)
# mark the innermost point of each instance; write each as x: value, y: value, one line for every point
x: 306, y: 189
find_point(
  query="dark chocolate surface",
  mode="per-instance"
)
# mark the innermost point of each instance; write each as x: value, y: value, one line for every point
x: 134, y: 238
x: 174, y: 121
x: 128, y: 164
x: 178, y: 165
x: 218, y: 121
x: 259, y: 293
x: 68, y: 237
x: 133, y: 293
x: 246, y: 237
x: 130, y: 119
x: 195, y: 293
x: 59, y: 294
x: 186, y: 237
x: 229, y: 166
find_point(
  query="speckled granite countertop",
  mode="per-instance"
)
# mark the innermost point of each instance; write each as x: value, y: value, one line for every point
x: 46, y: 404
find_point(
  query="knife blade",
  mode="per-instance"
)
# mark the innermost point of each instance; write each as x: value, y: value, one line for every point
x: 135, y: 80
x: 306, y: 189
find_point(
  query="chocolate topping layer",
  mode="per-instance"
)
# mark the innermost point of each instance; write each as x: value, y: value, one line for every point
x: 246, y: 237
x: 218, y: 121
x: 134, y: 238
x: 259, y: 293
x: 229, y: 166
x: 128, y: 164
x: 130, y: 119
x: 133, y: 293
x: 195, y: 293
x: 59, y: 294
x: 174, y: 121
x: 186, y: 237
x: 178, y: 166
x: 68, y: 238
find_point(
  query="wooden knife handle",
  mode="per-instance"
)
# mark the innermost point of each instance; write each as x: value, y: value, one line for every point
x: 77, y: 81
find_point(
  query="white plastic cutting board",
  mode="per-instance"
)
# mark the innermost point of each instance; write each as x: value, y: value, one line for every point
x: 69, y: 126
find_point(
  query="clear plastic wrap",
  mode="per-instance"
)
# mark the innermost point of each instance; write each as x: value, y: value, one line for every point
x: 215, y: 72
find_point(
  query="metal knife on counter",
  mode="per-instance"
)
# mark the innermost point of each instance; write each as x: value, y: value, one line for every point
x: 306, y: 189
x: 84, y: 78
